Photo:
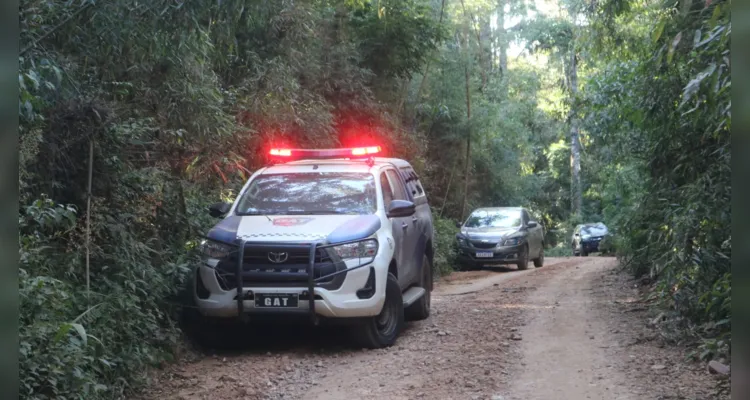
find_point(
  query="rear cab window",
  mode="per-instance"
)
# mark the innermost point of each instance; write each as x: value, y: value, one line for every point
x: 398, y: 188
x: 413, y: 185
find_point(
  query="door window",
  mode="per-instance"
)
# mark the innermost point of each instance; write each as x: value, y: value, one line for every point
x: 387, y: 191
x: 398, y: 189
x: 525, y: 217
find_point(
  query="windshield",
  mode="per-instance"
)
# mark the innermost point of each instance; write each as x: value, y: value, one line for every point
x: 494, y: 219
x: 594, y: 230
x: 309, y: 193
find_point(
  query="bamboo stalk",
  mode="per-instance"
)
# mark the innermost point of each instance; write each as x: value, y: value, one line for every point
x: 88, y: 216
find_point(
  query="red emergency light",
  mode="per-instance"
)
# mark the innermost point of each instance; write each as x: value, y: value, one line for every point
x: 281, y: 152
x: 355, y: 152
x: 360, y: 151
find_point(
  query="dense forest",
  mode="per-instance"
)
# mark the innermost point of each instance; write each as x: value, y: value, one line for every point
x: 136, y: 115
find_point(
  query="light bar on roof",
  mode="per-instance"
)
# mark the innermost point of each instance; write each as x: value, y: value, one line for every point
x: 281, y: 152
x: 355, y: 152
x: 360, y: 151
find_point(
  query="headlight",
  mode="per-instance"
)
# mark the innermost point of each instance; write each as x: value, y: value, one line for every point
x: 363, y: 249
x: 213, y: 249
x: 512, y: 241
x: 461, y: 241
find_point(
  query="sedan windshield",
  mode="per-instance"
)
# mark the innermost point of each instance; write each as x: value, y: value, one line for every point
x: 309, y: 193
x: 594, y: 230
x: 494, y: 219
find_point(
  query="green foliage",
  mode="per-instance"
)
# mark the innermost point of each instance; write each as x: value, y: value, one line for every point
x: 445, y: 245
x: 179, y: 101
x: 659, y: 125
x: 79, y: 344
x: 561, y: 250
x: 394, y: 36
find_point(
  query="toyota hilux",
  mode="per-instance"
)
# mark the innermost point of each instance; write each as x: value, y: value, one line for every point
x: 327, y: 235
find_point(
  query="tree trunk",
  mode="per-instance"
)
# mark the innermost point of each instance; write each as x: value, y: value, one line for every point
x: 576, y: 192
x: 502, y: 40
x: 468, y: 143
x: 480, y: 48
x: 427, y: 64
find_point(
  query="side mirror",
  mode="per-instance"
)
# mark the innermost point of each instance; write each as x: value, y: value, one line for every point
x: 218, y: 210
x: 458, y: 225
x: 401, y: 208
x: 532, y: 224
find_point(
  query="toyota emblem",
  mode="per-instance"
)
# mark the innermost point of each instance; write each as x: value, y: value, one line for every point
x: 278, y: 258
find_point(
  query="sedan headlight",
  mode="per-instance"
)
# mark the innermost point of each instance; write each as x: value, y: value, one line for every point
x: 461, y: 241
x: 213, y: 249
x: 512, y: 241
x: 363, y: 249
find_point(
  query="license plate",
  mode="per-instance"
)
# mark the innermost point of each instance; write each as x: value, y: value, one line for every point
x: 485, y: 254
x: 276, y: 300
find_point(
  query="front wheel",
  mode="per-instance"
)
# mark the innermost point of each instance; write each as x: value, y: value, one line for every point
x: 523, y: 258
x: 420, y: 310
x: 205, y: 332
x: 382, y: 330
x: 539, y: 261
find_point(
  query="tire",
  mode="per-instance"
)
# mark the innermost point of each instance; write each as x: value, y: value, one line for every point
x: 205, y: 332
x: 523, y: 263
x: 584, y: 253
x: 539, y: 261
x: 383, y: 329
x: 420, y: 310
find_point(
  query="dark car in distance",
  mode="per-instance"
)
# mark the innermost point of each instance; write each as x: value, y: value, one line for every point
x: 500, y: 235
x: 587, y: 238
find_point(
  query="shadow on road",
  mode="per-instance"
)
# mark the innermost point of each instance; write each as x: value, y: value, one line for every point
x: 233, y: 339
x: 499, y: 268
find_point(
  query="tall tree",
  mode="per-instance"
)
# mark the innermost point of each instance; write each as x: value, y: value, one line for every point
x: 556, y: 36
x: 576, y: 190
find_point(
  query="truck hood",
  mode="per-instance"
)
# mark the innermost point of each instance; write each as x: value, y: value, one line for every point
x: 295, y: 228
x: 488, y: 233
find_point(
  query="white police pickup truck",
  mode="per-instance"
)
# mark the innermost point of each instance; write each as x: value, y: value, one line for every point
x: 348, y: 229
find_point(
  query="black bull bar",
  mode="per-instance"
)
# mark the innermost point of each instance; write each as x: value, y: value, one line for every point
x: 312, y: 282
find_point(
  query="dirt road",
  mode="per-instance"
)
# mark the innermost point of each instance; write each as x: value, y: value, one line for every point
x: 570, y: 330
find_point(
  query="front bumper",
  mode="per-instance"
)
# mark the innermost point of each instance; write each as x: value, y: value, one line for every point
x: 590, y: 246
x: 357, y: 291
x: 500, y: 254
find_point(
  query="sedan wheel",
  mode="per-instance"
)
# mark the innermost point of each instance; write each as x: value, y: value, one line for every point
x: 539, y: 261
x: 523, y: 258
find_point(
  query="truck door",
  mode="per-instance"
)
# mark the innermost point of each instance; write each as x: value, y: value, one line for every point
x: 398, y: 231
x: 407, y: 230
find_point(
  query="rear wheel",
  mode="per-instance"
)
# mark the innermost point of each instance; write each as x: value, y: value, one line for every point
x: 382, y: 330
x: 421, y: 308
x: 523, y: 258
x: 539, y: 261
